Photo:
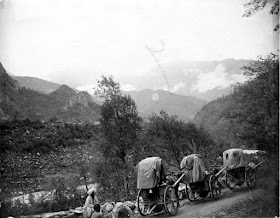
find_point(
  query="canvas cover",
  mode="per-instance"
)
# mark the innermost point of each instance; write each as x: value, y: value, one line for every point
x: 149, y: 170
x: 233, y: 158
x: 194, y: 167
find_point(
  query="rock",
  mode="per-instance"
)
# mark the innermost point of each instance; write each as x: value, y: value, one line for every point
x: 81, y: 98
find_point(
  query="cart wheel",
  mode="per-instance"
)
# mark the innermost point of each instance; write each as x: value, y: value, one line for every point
x: 190, y: 194
x: 171, y: 202
x: 142, y: 203
x: 230, y: 181
x: 251, y: 178
x: 215, y: 187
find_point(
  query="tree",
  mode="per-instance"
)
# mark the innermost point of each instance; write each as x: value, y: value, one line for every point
x: 257, y: 5
x: 257, y: 111
x: 121, y: 124
x: 256, y: 104
x: 172, y: 139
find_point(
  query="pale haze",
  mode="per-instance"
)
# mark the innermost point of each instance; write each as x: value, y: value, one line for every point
x: 75, y: 42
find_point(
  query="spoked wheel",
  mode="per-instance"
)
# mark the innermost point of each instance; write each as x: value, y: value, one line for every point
x: 170, y: 200
x: 230, y: 181
x: 142, y: 203
x: 215, y: 187
x: 251, y: 178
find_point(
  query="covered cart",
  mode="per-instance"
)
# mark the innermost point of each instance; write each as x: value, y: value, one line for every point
x: 154, y: 194
x: 199, y: 182
x: 238, y: 169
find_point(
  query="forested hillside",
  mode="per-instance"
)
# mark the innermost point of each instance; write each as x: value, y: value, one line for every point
x: 213, y: 117
x: 63, y: 104
x: 247, y: 118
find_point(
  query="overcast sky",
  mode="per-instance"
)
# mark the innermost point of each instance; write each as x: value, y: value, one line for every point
x: 76, y: 41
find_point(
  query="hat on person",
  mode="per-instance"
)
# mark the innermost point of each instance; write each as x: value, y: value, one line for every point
x: 91, y: 190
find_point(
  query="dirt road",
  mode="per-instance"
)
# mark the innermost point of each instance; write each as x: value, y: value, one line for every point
x: 233, y: 203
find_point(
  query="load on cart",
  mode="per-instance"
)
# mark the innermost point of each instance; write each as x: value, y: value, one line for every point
x: 198, y: 181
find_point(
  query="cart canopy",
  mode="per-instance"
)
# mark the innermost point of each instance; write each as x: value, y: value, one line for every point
x: 233, y: 158
x: 149, y: 172
x: 194, y: 167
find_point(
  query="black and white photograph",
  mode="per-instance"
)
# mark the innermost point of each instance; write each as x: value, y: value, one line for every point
x: 139, y: 108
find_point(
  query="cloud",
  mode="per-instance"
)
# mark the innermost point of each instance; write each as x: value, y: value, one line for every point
x: 178, y: 86
x: 218, y: 78
x: 173, y: 89
x: 88, y: 88
x: 192, y: 72
x: 164, y: 87
x: 127, y: 87
x: 73, y: 42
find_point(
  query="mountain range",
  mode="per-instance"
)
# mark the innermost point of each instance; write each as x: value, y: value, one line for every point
x: 186, y: 88
x: 153, y: 101
x: 37, y: 84
x: 66, y: 105
x: 207, y: 80
x: 62, y: 104
x: 148, y: 101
